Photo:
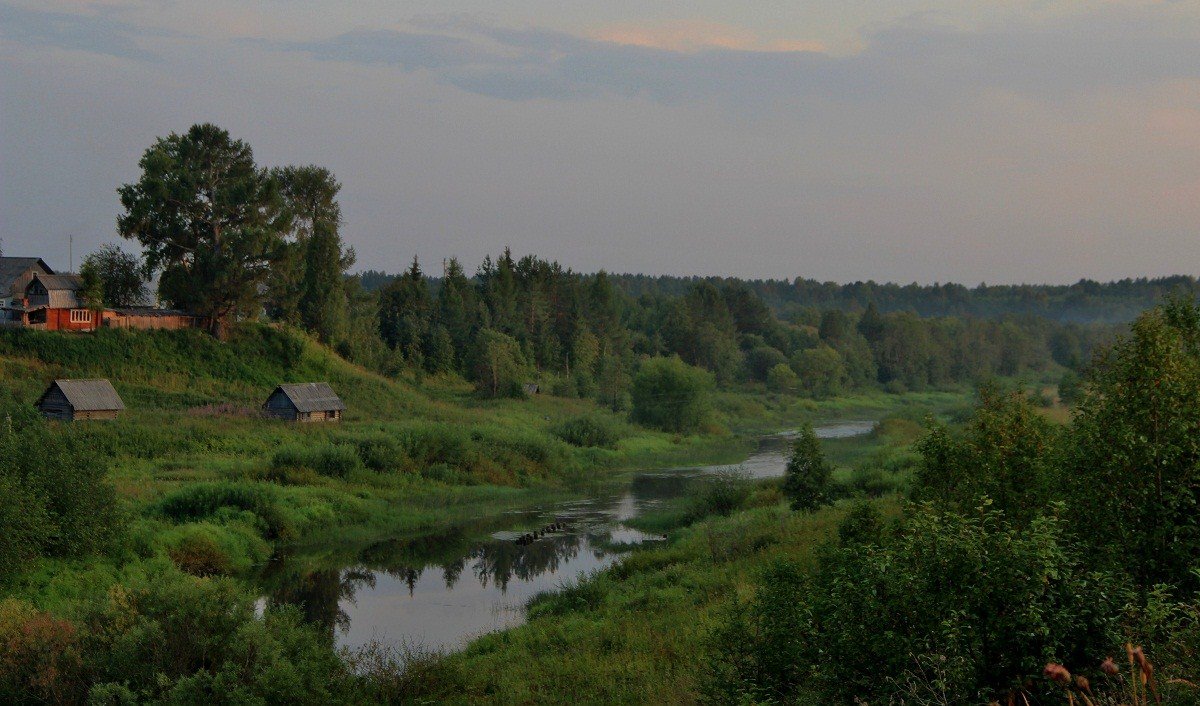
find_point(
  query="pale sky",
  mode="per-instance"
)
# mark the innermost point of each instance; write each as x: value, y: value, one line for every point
x: 895, y: 140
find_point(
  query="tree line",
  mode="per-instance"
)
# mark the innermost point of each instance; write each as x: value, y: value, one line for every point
x: 228, y: 239
x: 1085, y: 301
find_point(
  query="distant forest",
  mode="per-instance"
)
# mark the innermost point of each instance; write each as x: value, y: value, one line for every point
x: 585, y: 334
x: 1086, y: 301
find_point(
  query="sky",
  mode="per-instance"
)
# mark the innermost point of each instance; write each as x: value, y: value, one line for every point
x: 844, y: 140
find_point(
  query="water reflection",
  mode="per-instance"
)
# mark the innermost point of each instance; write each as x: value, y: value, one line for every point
x: 442, y: 589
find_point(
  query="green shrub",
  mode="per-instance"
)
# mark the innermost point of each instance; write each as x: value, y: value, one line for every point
x: 751, y: 653
x: 382, y: 454
x: 671, y: 395
x: 212, y: 549
x: 873, y: 481
x: 199, y: 555
x: 1005, y: 452
x: 986, y: 601
x: 718, y: 494
x: 335, y: 460
x: 174, y: 638
x: 588, y: 430
x: 330, y: 460
x: 205, y: 500
x: 54, y: 496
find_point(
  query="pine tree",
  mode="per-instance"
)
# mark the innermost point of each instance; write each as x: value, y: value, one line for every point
x: 808, y: 476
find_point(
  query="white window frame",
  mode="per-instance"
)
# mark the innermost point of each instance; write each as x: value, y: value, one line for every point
x: 81, y: 316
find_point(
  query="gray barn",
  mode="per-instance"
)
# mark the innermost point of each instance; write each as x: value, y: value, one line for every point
x: 305, y: 402
x: 69, y: 400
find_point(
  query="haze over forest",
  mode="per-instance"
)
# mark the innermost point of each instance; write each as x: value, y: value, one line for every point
x: 918, y: 140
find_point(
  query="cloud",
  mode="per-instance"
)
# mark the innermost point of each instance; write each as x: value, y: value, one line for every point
x: 915, y: 61
x: 96, y: 33
x: 695, y: 35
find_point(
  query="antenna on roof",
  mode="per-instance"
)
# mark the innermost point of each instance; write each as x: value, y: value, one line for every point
x: 71, y: 250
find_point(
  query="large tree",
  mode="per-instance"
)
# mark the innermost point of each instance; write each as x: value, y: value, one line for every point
x: 119, y: 275
x: 209, y: 219
x: 306, y: 286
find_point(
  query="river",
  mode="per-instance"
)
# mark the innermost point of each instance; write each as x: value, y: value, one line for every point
x: 441, y: 591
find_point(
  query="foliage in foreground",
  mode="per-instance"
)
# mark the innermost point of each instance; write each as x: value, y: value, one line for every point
x: 53, y: 497
x: 985, y: 601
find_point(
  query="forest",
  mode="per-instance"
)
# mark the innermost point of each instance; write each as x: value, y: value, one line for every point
x: 1020, y: 526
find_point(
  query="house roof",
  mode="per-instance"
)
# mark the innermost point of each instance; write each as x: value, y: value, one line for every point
x: 312, y: 396
x: 88, y: 395
x: 11, y: 268
x: 68, y: 282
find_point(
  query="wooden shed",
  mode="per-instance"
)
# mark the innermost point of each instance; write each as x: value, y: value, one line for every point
x: 69, y: 400
x: 305, y: 402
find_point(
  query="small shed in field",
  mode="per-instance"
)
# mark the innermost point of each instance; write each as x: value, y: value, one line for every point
x: 305, y: 402
x: 531, y: 388
x: 69, y: 400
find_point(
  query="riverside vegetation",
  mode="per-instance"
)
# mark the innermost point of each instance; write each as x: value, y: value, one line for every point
x: 127, y: 549
x: 1024, y: 561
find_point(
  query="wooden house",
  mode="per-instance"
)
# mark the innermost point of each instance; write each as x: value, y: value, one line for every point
x: 69, y: 400
x: 531, y: 388
x: 305, y: 402
x: 52, y: 302
x: 15, y: 275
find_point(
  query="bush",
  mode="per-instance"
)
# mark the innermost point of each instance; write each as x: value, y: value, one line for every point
x: 199, y: 555
x: 210, y: 549
x: 588, y: 430
x: 382, y: 454
x: 718, y: 494
x: 671, y: 395
x: 1005, y: 452
x: 55, y: 498
x: 335, y: 460
x: 987, y: 601
x: 330, y: 460
x: 173, y: 638
x: 873, y: 481
x: 204, y: 500
x: 40, y: 657
x: 781, y: 378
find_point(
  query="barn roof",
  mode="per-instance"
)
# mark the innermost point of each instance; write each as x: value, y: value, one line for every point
x: 12, y: 268
x: 312, y: 396
x: 88, y: 395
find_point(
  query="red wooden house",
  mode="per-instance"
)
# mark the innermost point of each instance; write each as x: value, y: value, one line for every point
x: 52, y: 302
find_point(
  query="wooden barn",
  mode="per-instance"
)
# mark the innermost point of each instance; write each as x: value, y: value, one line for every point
x: 69, y: 400
x: 305, y: 402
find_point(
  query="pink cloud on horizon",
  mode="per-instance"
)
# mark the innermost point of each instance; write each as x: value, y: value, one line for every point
x: 696, y: 35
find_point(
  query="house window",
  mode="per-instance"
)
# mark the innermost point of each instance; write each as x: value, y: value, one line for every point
x: 81, y: 316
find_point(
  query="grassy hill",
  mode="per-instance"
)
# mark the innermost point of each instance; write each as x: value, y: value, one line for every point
x: 192, y: 450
